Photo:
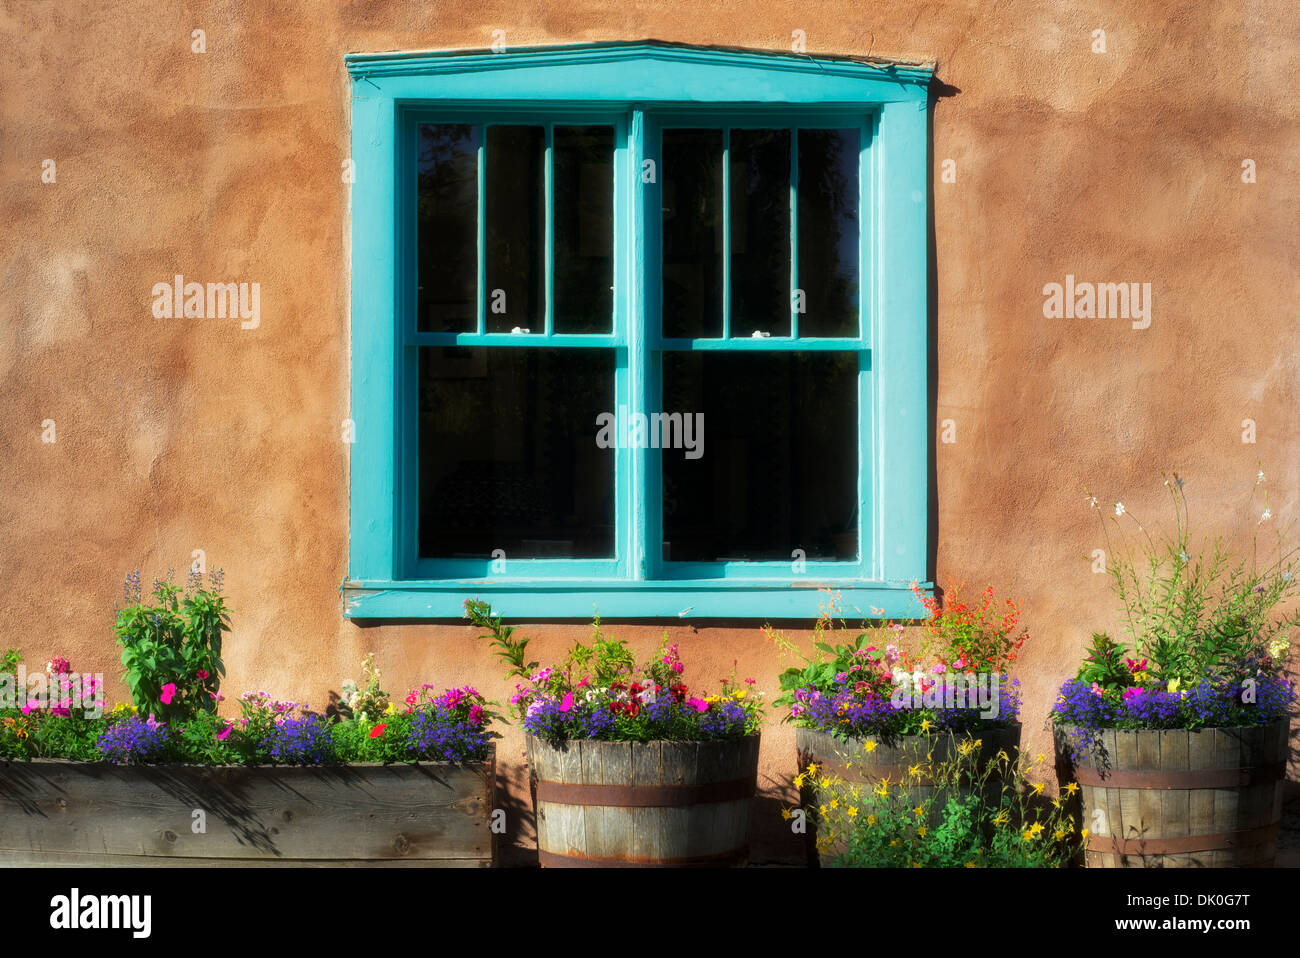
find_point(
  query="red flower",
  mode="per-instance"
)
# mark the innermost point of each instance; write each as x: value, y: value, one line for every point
x: 377, y: 731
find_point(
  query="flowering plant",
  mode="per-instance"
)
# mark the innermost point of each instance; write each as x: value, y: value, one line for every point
x: 978, y: 815
x: 171, y: 648
x: 601, y: 692
x: 1206, y: 644
x: 450, y: 726
x: 871, y: 685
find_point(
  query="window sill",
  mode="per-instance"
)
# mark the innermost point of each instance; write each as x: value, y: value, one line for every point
x: 581, y: 599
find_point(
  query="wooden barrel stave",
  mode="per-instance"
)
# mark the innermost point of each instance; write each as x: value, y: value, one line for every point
x: 1221, y: 783
x: 637, y: 818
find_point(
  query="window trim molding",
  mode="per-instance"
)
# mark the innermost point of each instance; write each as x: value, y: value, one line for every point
x: 388, y: 88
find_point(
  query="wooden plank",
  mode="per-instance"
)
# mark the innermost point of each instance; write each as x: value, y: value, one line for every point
x: 647, y: 769
x: 1149, y: 803
x: 364, y: 812
x: 1174, y: 802
x: 680, y: 762
x: 1130, y: 812
x: 1228, y: 753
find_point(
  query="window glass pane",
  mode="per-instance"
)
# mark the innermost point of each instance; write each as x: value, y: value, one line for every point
x: 447, y: 226
x: 508, y: 452
x: 691, y: 179
x: 760, y: 232
x: 779, y: 468
x: 515, y: 191
x: 584, y: 229
x: 828, y: 232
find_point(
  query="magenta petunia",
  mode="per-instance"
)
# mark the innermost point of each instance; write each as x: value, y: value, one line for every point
x: 567, y: 704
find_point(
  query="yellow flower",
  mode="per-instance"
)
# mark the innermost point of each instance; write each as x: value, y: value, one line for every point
x: 1086, y: 833
x: 799, y: 780
x: 921, y: 831
x: 1038, y: 789
x: 1173, y: 684
x: 823, y: 809
x: 871, y: 819
x: 812, y: 769
x: 1040, y: 757
x: 1002, y: 818
x: 894, y: 843
x: 1029, y: 835
x: 835, y: 803
x: 390, y: 710
x: 1060, y: 833
x: 914, y: 771
x: 869, y: 746
x: 979, y: 742
x: 1139, y: 676
x: 918, y: 811
x: 970, y: 864
x: 853, y: 811
x: 1071, y: 788
x: 883, y: 789
x: 925, y: 725
x: 786, y: 814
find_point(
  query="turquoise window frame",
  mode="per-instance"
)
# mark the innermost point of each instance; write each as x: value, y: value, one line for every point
x: 639, y: 88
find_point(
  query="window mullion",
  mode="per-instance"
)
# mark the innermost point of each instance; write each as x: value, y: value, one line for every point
x: 643, y: 275
x: 549, y: 230
x: 794, y: 234
x: 726, y: 232
x: 481, y: 239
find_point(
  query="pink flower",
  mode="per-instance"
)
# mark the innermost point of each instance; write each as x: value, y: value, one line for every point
x: 202, y: 674
x: 475, y: 714
x: 1096, y: 689
x: 168, y: 693
x: 31, y: 706
x: 567, y: 704
x: 222, y: 736
x: 698, y: 704
x: 1131, y: 693
x: 412, y: 698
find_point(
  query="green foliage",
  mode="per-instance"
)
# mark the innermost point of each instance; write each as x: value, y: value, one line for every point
x: 1198, y: 611
x: 510, y: 650
x: 10, y: 660
x: 176, y: 640
x: 979, y: 816
x: 605, y: 661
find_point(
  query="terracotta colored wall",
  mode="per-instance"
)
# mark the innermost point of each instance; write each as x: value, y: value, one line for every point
x: 176, y: 435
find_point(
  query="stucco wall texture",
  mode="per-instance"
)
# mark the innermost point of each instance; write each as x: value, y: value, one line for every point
x: 176, y: 435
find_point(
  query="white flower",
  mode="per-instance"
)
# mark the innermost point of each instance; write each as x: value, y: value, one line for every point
x: 1184, y: 556
x: 1260, y: 477
x: 1119, y: 508
x: 1268, y: 514
x: 1092, y: 501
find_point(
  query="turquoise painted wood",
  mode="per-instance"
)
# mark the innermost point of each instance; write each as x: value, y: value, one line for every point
x: 638, y: 88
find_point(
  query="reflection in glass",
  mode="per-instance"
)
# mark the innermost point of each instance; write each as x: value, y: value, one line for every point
x: 691, y: 179
x: 515, y: 188
x: 447, y: 228
x: 828, y: 232
x: 760, y: 232
x: 584, y: 228
x: 780, y: 464
x: 508, y: 453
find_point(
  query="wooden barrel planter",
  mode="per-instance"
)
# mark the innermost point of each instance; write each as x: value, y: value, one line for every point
x: 871, y: 759
x: 61, y: 813
x: 1173, y: 798
x: 643, y: 804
